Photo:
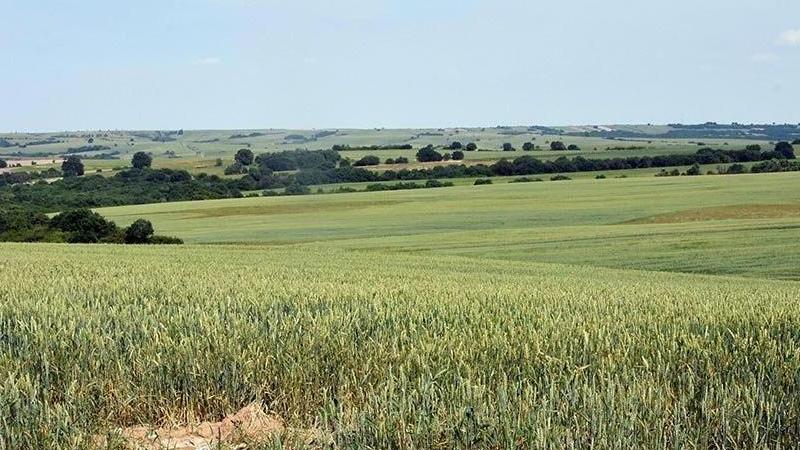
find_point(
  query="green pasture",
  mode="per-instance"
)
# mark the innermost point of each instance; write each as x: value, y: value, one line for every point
x: 734, y: 224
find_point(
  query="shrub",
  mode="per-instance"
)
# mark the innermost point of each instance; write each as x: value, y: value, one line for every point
x: 560, y: 178
x: 600, y: 177
x: 458, y: 155
x: 369, y: 160
x: 296, y: 189
x: 557, y: 146
x: 471, y: 147
x: 785, y: 149
x: 694, y: 170
x: 527, y: 147
x: 573, y: 147
x: 428, y: 154
x: 244, y: 157
x: 72, y: 167
x: 165, y: 240
x: 401, y: 160
x: 139, y: 232
x: 236, y: 169
x: 482, y: 181
x: 507, y: 147
x: 525, y: 180
x: 83, y: 226
x: 141, y: 160
x: 456, y: 145
x: 3, y: 164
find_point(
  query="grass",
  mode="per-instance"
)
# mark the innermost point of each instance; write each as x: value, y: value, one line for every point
x: 620, y: 313
x: 734, y: 224
x: 385, y: 350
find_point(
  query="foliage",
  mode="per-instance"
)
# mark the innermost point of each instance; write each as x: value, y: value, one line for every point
x: 72, y: 167
x: 141, y: 160
x: 139, y: 232
x: 244, y: 157
x: 428, y: 154
x: 369, y: 160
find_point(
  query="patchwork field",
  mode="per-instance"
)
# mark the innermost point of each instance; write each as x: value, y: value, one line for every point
x: 617, y: 313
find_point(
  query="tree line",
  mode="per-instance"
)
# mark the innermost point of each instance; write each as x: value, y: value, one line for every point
x: 76, y: 226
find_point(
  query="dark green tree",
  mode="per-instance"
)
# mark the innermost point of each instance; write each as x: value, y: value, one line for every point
x: 141, y: 160
x: 785, y: 149
x: 428, y: 154
x: 471, y: 147
x: 244, y: 157
x: 72, y: 167
x: 139, y: 232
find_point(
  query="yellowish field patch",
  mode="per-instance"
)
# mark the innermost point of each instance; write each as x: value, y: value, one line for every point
x: 780, y: 211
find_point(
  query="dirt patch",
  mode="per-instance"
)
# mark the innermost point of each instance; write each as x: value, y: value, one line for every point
x: 251, y: 425
x: 723, y: 213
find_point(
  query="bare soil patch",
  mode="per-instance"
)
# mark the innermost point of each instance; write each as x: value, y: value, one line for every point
x: 249, y: 426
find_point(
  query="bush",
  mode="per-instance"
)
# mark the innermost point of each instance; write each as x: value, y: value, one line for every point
x: 141, y: 160
x: 83, y: 226
x: 573, y: 147
x: 296, y: 189
x: 389, y: 161
x: 694, y: 170
x: 560, y: 178
x: 165, y: 240
x: 785, y: 149
x: 527, y: 147
x: 401, y: 160
x: 557, y: 146
x: 735, y: 169
x: 428, y: 154
x: 507, y: 147
x: 3, y: 164
x: 471, y: 147
x: 456, y: 145
x: 72, y: 167
x: 600, y: 177
x: 525, y: 180
x: 458, y: 155
x: 482, y: 181
x: 139, y: 232
x: 369, y: 160
x: 236, y: 169
x: 244, y: 157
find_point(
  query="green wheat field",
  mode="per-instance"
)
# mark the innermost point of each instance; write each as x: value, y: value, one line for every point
x: 641, y: 312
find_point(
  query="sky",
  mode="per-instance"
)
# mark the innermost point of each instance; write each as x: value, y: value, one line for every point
x: 239, y: 64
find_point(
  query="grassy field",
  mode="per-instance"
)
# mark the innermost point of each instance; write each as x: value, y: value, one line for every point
x: 735, y: 224
x: 197, y: 150
x: 358, y: 349
x: 635, y: 312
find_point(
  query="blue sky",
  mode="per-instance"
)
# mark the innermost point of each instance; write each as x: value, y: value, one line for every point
x: 71, y: 65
